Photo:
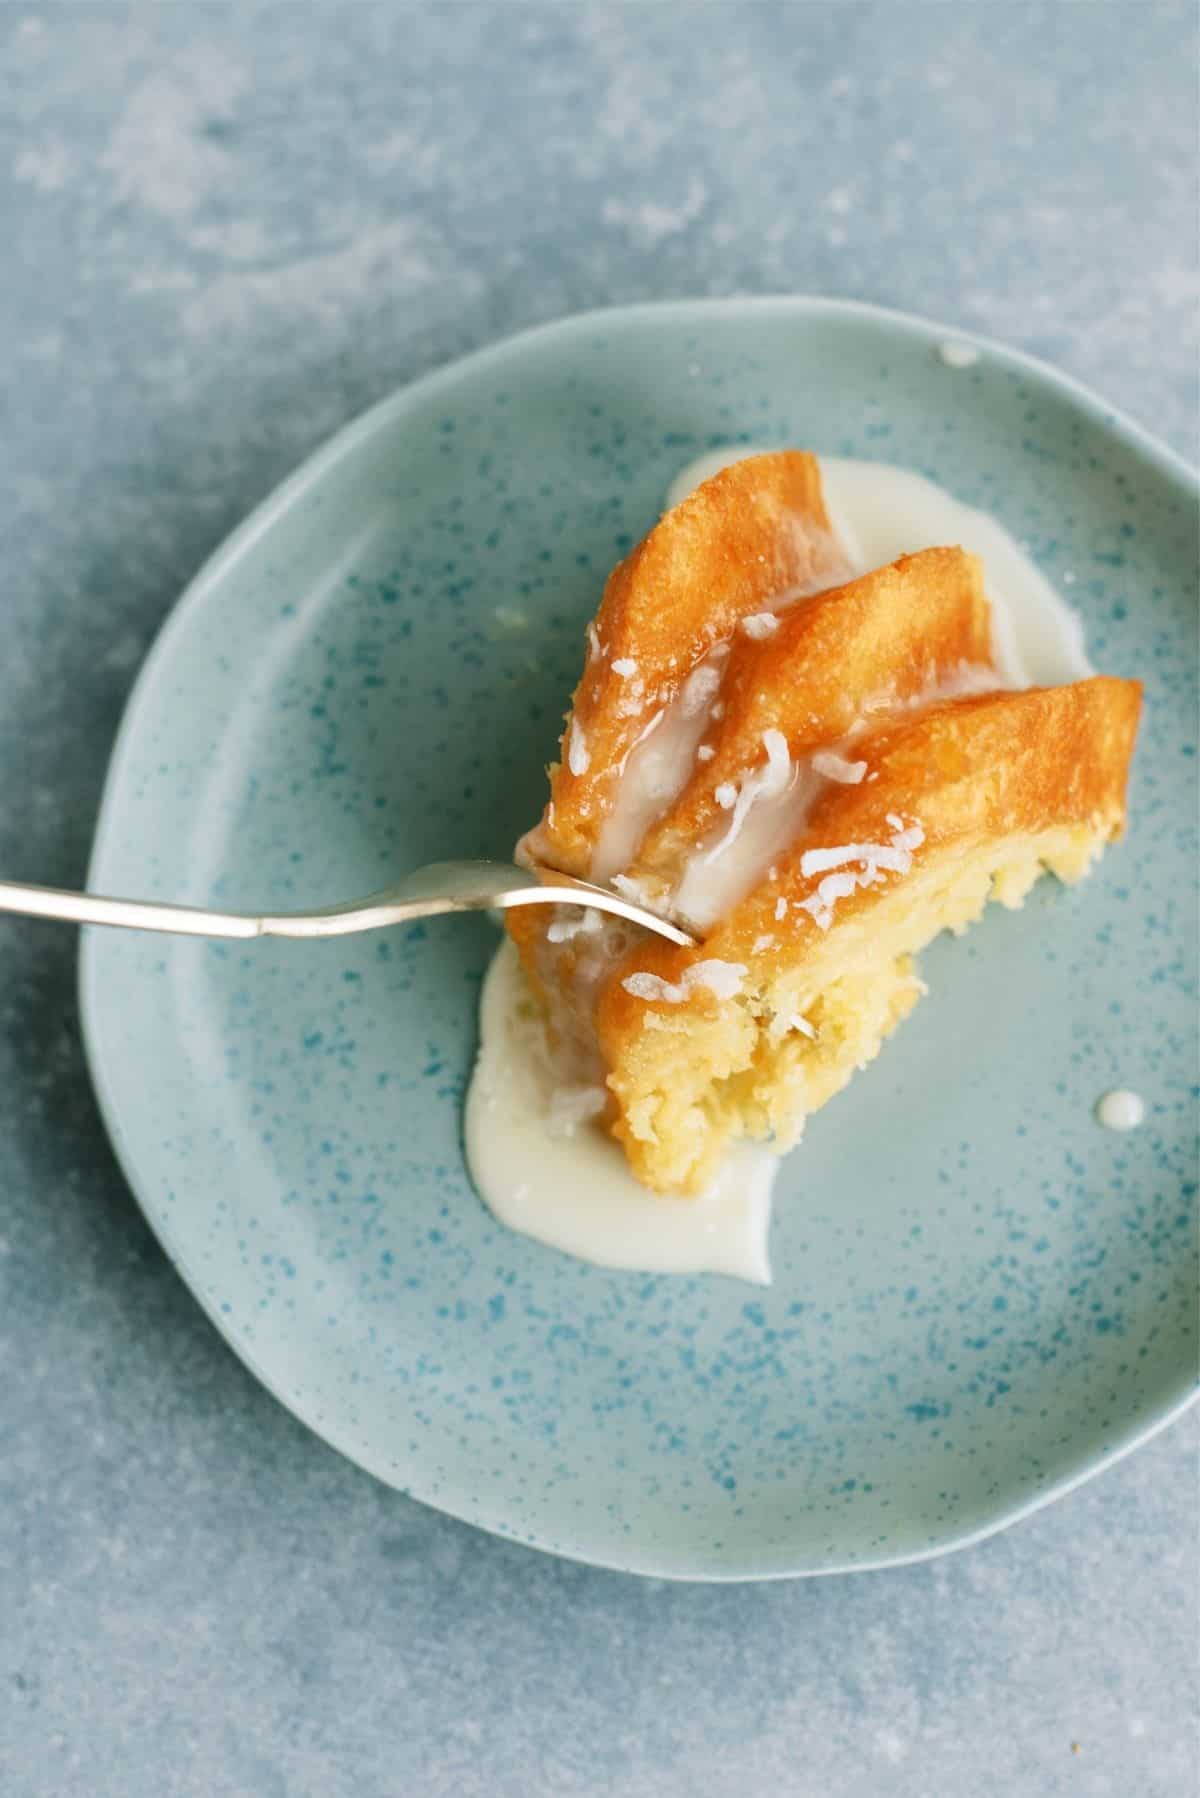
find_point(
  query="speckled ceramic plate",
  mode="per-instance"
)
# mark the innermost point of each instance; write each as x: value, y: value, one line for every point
x: 980, y: 1296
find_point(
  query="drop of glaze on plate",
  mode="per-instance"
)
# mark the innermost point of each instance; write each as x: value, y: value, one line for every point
x: 1121, y: 1110
x: 576, y: 1192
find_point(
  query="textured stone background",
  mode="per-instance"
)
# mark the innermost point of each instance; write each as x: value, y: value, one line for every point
x: 225, y: 229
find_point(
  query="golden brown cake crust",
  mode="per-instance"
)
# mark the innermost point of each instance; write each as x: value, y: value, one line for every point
x: 878, y: 641
x: 997, y: 766
x: 755, y: 531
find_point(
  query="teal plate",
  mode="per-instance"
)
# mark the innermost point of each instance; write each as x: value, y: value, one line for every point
x: 980, y: 1296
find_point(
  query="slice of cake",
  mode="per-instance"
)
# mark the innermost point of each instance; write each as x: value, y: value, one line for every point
x: 815, y: 774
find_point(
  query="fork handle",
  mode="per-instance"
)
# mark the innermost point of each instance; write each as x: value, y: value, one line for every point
x: 193, y: 920
x: 133, y: 914
x: 427, y: 892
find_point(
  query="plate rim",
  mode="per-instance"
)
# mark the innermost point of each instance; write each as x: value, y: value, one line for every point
x: 311, y: 470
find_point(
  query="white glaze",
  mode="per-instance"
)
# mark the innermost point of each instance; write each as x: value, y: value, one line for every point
x: 773, y: 806
x: 574, y: 1191
x: 656, y: 770
x: 1121, y: 1110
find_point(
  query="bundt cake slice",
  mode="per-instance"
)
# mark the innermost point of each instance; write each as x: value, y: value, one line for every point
x: 816, y: 774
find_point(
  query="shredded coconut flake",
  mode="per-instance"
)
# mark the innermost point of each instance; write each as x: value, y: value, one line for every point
x: 699, y: 687
x: 832, y: 766
x: 780, y: 908
x: 705, y: 753
x: 763, y: 783
x: 821, y: 903
x: 760, y: 624
x: 578, y: 759
x: 820, y: 861
x: 632, y: 889
x: 653, y: 986
x: 762, y: 943
x: 721, y: 978
x: 631, y: 700
x: 726, y: 795
x: 861, y: 865
x: 796, y: 1022
x: 593, y: 637
x: 724, y: 978
x: 570, y: 921
x: 626, y: 665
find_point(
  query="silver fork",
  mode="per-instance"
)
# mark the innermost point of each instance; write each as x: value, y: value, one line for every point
x: 425, y: 893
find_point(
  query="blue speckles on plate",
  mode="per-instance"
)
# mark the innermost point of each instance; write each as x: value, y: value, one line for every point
x: 979, y: 1294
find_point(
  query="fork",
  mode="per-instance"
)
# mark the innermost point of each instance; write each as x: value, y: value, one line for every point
x: 426, y: 892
